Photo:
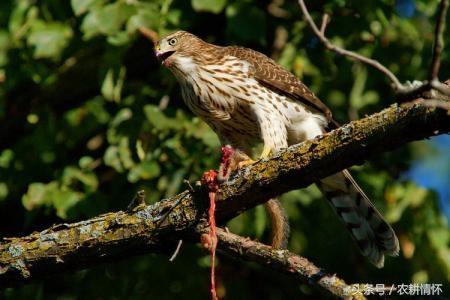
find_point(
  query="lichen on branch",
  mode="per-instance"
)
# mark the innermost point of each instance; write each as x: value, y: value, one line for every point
x: 158, y: 227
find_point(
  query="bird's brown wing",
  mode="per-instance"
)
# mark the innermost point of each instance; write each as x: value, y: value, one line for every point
x: 273, y: 76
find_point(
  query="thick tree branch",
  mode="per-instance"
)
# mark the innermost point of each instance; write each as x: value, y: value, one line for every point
x: 285, y: 262
x: 158, y: 227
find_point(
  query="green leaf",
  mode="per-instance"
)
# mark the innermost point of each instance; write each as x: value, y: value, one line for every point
x: 140, y: 150
x: 123, y: 115
x: 145, y: 170
x: 158, y: 119
x: 125, y: 153
x: 213, y: 6
x: 120, y: 38
x: 63, y: 200
x: 3, y: 190
x: 96, y: 107
x: 82, y: 6
x: 21, y: 15
x: 147, y: 16
x: 37, y: 195
x: 106, y: 20
x: 356, y: 94
x: 108, y: 85
x: 85, y: 162
x: 6, y: 157
x: 72, y: 175
x: 287, y: 56
x: 112, y: 159
x: 49, y: 39
x: 5, y: 44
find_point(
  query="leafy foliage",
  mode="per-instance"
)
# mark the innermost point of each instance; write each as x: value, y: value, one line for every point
x: 88, y: 117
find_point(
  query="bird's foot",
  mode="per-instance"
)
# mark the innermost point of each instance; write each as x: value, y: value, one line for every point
x: 267, y: 152
x: 245, y: 163
x: 232, y: 160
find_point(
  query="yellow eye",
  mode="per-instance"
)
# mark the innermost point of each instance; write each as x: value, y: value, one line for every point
x: 172, y: 41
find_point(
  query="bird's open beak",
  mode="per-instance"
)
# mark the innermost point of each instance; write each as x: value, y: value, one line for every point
x: 161, y: 55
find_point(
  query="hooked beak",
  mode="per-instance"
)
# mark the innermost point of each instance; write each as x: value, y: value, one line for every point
x: 161, y: 55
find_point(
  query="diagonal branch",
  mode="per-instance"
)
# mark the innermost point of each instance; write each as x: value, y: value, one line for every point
x: 403, y: 92
x: 285, y: 262
x: 438, y: 41
x: 330, y: 46
x: 158, y: 227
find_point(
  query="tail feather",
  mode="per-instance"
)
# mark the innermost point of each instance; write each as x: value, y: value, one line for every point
x: 280, y: 225
x: 374, y: 236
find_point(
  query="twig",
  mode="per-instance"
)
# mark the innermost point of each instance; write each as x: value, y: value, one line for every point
x: 438, y: 41
x: 164, y: 102
x: 285, y: 262
x: 150, y: 34
x: 189, y: 185
x: 321, y: 35
x: 435, y: 103
x: 323, y: 26
x: 175, y: 253
x: 403, y: 92
x: 441, y: 87
x: 138, y: 200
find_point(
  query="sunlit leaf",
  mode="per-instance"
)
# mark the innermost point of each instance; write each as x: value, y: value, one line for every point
x: 72, y: 176
x: 49, y: 39
x: 112, y: 158
x: 147, y: 16
x: 214, y: 6
x: 106, y: 20
x: 82, y: 6
x: 144, y: 171
x: 37, y: 195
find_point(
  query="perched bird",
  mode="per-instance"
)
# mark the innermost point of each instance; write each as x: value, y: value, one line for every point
x: 246, y: 97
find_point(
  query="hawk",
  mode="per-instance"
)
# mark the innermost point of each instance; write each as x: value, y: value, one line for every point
x: 246, y: 97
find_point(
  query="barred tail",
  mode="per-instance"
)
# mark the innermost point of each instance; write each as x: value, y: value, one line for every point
x: 374, y: 236
x: 280, y: 225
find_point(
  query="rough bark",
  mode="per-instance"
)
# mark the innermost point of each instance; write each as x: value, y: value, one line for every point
x: 155, y: 227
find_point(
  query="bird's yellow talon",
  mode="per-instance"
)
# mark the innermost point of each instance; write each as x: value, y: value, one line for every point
x: 245, y: 163
x: 266, y: 152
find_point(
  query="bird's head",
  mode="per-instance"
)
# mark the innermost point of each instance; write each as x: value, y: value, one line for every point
x: 175, y: 45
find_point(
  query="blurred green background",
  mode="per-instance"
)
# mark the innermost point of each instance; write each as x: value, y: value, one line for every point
x: 88, y: 117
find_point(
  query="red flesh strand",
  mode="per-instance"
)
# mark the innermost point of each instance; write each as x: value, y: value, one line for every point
x: 210, y: 178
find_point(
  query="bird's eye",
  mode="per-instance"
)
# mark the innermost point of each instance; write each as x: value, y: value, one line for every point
x: 173, y: 42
